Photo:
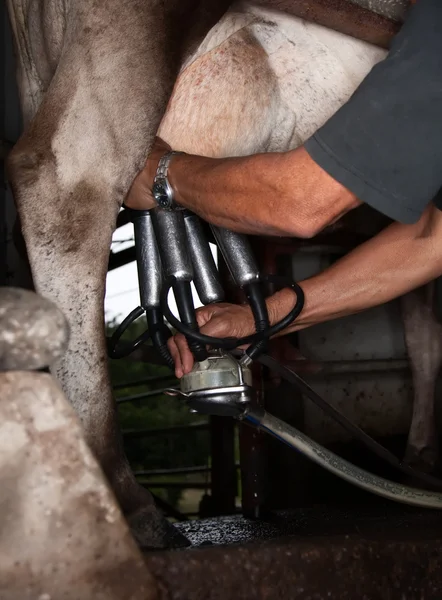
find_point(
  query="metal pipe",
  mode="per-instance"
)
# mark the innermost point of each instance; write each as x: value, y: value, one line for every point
x: 171, y: 237
x: 238, y: 255
x: 123, y: 217
x: 206, y: 277
x: 121, y: 258
x: 348, y: 367
x: 143, y: 396
x: 176, y: 485
x: 178, y: 471
x: 140, y: 433
x: 172, y: 243
x: 340, y: 467
x: 148, y: 260
x: 144, y: 381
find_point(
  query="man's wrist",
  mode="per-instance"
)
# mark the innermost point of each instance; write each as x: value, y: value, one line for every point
x: 175, y: 175
x: 188, y: 175
x: 161, y: 188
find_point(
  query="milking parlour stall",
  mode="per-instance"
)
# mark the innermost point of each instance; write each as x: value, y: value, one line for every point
x: 297, y: 467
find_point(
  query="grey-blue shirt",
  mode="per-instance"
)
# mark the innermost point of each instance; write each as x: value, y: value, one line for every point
x: 385, y: 143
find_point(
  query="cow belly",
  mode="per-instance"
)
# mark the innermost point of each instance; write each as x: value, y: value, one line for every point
x: 262, y: 81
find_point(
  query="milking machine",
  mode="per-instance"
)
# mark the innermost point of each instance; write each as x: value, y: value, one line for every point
x: 172, y: 250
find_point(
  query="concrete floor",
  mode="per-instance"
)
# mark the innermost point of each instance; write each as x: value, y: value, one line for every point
x: 385, y: 551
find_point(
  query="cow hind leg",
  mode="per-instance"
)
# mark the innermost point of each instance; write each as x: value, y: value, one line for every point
x: 70, y: 172
x: 423, y: 337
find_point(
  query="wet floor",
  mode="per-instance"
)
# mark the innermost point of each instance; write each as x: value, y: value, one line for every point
x: 379, y: 521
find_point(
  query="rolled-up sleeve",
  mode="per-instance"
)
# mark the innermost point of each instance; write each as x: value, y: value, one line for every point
x: 385, y: 143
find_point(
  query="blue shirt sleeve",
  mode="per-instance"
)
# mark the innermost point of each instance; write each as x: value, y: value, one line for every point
x: 385, y: 143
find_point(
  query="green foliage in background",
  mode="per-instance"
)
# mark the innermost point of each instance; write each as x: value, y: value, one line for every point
x: 165, y: 451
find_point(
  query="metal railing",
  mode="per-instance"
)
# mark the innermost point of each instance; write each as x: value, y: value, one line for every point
x: 143, y: 396
x: 145, y: 381
x: 190, y: 428
x: 144, y: 476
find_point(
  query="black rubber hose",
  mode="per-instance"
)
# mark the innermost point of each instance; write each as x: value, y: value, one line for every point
x: 113, y: 350
x: 231, y: 343
x: 186, y: 309
x: 256, y: 299
x: 159, y: 333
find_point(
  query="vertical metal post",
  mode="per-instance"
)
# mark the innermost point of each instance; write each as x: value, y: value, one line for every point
x: 285, y: 402
x: 252, y: 443
x: 253, y: 458
x: 222, y: 441
x: 223, y: 470
x: 263, y: 488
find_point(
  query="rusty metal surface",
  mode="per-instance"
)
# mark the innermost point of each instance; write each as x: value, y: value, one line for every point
x: 383, y: 557
x: 347, y: 17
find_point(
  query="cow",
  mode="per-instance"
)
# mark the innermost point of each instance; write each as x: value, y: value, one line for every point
x: 298, y: 74
x: 95, y: 81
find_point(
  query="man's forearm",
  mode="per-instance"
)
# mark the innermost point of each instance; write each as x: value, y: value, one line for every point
x: 285, y: 194
x: 399, y: 259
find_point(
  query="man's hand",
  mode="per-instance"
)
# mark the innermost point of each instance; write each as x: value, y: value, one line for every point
x: 217, y: 320
x: 140, y: 194
x: 228, y: 320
